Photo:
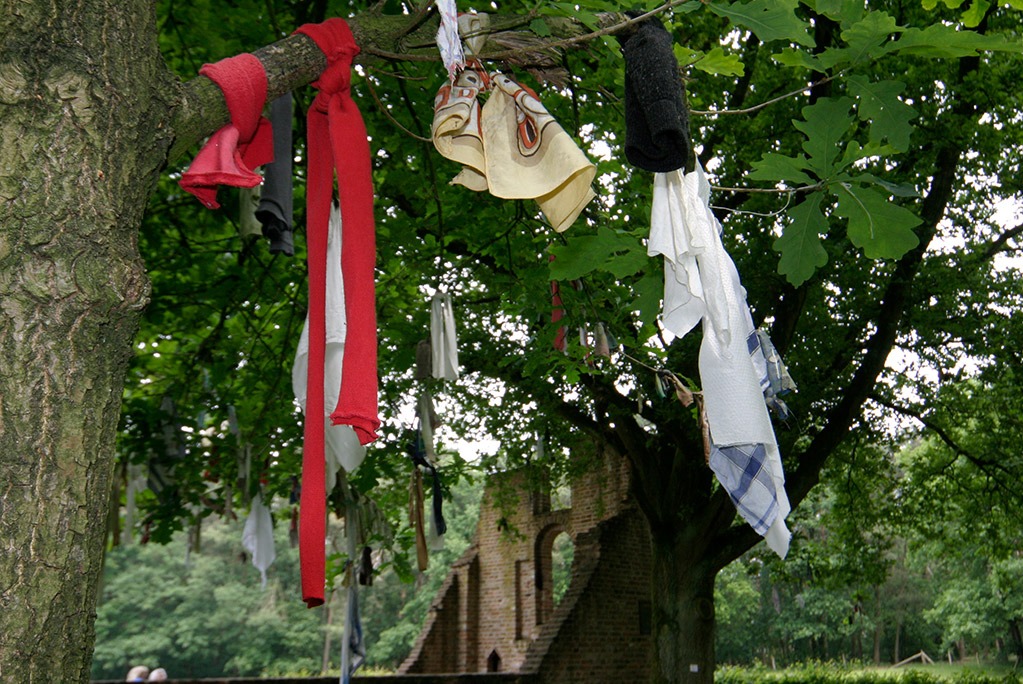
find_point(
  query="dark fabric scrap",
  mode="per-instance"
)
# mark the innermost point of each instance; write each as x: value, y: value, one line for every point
x: 366, y: 567
x: 656, y: 118
x: 275, y: 209
x: 417, y: 452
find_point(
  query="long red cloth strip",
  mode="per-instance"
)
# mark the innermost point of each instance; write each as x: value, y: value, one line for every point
x: 231, y: 153
x: 337, y: 142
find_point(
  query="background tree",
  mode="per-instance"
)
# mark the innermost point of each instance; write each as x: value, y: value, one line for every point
x: 203, y: 613
x: 92, y: 114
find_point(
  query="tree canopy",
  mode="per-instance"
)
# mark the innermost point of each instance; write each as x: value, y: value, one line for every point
x: 859, y: 155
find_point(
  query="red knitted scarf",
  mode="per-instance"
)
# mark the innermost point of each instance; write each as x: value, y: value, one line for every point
x: 337, y: 144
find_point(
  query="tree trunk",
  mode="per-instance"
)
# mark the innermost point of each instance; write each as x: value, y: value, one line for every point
x: 878, y: 627
x: 81, y: 94
x: 683, y: 599
x: 898, y: 640
x: 1017, y: 639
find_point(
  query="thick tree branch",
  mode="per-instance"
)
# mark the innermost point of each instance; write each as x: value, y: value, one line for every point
x: 296, y: 61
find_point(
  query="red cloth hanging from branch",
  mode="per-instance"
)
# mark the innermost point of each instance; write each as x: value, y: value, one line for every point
x: 338, y: 143
x: 231, y: 153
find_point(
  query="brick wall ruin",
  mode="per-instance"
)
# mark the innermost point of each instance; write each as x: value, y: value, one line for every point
x: 495, y: 611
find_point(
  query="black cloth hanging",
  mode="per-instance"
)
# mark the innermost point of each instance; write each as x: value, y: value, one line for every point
x: 276, y: 201
x: 417, y: 452
x: 656, y: 117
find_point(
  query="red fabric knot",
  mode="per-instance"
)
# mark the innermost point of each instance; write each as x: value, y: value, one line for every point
x: 336, y: 42
x: 231, y: 153
x: 338, y: 145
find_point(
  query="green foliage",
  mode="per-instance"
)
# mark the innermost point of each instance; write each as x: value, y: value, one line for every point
x: 857, y: 124
x: 768, y: 20
x: 395, y: 608
x: 889, y: 116
x: 881, y: 229
x: 800, y: 245
x: 620, y: 254
x: 203, y: 614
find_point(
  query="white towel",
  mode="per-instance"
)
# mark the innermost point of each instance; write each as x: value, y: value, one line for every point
x: 343, y: 449
x: 258, y: 537
x: 701, y: 283
x: 443, y: 340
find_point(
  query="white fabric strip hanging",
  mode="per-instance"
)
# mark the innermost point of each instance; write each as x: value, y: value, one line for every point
x: 258, y: 537
x: 343, y: 449
x: 448, y: 41
x: 443, y: 340
x: 701, y: 283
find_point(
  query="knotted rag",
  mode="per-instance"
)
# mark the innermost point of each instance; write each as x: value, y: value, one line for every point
x: 337, y: 143
x: 231, y: 153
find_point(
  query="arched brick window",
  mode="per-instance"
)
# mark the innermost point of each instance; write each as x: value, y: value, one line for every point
x: 551, y: 571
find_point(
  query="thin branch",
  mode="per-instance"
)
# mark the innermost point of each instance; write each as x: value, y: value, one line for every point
x: 1001, y: 242
x: 779, y: 191
x: 942, y: 434
x: 390, y: 117
x: 982, y: 464
x: 762, y: 105
x: 586, y: 37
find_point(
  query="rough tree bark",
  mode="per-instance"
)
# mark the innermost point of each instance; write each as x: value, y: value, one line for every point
x: 684, y: 624
x: 82, y: 87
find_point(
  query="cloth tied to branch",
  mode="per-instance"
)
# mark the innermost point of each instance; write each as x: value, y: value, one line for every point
x: 342, y: 447
x: 231, y: 153
x: 511, y: 146
x: 258, y: 537
x: 702, y: 285
x: 338, y: 143
x: 449, y: 43
x: 443, y: 338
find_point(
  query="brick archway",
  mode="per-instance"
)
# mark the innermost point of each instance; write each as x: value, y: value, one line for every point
x: 543, y: 578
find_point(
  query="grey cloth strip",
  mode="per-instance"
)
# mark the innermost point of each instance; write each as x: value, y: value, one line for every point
x: 275, y: 209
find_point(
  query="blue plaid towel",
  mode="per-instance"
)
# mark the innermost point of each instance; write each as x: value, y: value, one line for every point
x: 743, y: 472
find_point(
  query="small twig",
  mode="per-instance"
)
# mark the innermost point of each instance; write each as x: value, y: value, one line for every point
x: 638, y: 362
x: 394, y: 74
x: 750, y: 110
x: 388, y: 114
x: 615, y: 28
x: 1001, y: 243
x: 397, y: 56
x: 779, y: 191
x: 770, y: 214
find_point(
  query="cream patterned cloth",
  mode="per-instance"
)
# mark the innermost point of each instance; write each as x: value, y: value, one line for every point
x: 512, y: 146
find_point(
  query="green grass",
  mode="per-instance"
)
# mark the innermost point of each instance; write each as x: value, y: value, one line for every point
x: 838, y: 673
